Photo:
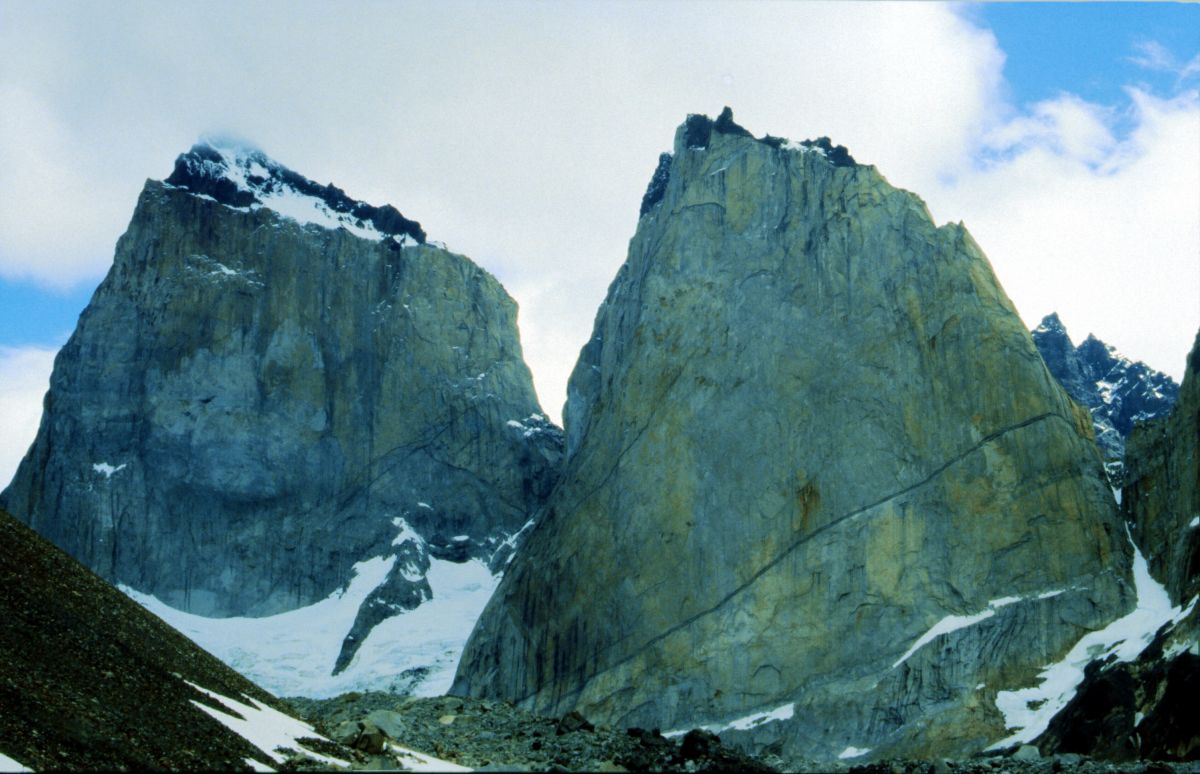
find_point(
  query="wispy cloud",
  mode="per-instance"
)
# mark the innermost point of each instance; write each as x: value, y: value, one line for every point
x: 1152, y: 55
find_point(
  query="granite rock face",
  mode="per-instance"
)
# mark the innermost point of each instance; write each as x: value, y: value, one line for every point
x: 821, y: 492
x: 1116, y: 390
x: 266, y: 391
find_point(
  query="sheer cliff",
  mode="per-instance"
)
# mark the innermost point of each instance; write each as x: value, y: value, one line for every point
x: 274, y: 384
x: 821, y: 492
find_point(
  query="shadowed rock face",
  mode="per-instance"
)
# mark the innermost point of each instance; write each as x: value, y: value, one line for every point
x: 249, y: 406
x: 807, y: 428
x: 1161, y: 498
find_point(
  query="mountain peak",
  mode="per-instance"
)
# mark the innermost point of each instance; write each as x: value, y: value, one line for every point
x: 697, y: 130
x: 696, y: 134
x: 1050, y: 322
x: 1116, y: 390
x: 239, y: 175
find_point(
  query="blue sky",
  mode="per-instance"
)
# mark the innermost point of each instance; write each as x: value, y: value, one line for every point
x: 523, y: 134
x: 1086, y: 48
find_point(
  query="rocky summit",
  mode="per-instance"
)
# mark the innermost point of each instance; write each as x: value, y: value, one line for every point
x: 275, y: 384
x: 821, y: 495
x: 1117, y: 391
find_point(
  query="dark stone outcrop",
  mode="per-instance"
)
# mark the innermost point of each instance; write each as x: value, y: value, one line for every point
x: 658, y: 184
x: 204, y: 170
x: 1117, y: 391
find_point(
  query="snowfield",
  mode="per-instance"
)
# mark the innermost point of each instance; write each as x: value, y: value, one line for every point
x: 293, y: 653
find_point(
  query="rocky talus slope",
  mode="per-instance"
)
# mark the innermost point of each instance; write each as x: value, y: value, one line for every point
x: 821, y: 493
x: 274, y: 383
x: 90, y: 681
x: 1116, y: 390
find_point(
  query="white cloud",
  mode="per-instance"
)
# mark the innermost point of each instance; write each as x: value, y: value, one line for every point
x: 1153, y: 55
x: 1105, y: 230
x: 523, y: 134
x: 24, y: 379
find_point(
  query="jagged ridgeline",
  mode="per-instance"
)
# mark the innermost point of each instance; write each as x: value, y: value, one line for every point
x: 821, y: 492
x: 275, y: 382
x: 1117, y: 391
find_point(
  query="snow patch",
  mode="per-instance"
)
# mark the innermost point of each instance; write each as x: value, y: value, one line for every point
x: 953, y: 623
x: 406, y: 533
x: 238, y: 165
x: 757, y: 719
x: 106, y: 470
x: 1028, y: 711
x: 8, y: 764
x: 853, y: 752
x: 415, y: 761
x: 792, y: 145
x: 1195, y: 522
x: 264, y: 727
x: 784, y: 712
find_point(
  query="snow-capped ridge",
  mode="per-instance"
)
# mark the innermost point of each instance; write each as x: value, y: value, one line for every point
x: 1118, y: 392
x: 238, y: 175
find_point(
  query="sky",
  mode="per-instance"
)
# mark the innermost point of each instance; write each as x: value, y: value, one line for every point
x: 522, y: 134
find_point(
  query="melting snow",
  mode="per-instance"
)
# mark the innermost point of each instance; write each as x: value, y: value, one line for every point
x: 955, y: 622
x: 264, y: 727
x: 8, y: 764
x: 292, y: 653
x: 784, y: 712
x: 853, y: 752
x: 107, y: 470
x: 1028, y: 711
x: 406, y: 533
